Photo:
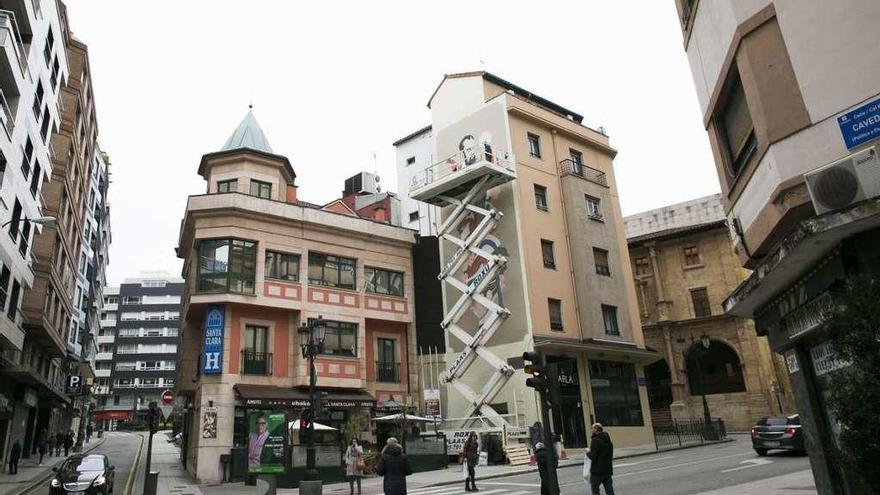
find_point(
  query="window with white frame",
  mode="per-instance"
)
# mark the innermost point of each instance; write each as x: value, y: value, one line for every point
x: 594, y: 207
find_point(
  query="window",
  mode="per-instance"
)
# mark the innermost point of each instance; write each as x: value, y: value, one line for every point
x: 534, y: 145
x: 547, y: 254
x: 255, y: 338
x: 332, y: 271
x: 384, y: 281
x: 166, y: 299
x: 577, y: 161
x: 387, y: 369
x: 255, y: 357
x: 615, y: 394
x: 35, y: 179
x: 555, y: 308
x: 261, y: 189
x: 540, y: 197
x: 228, y: 186
x: 27, y: 157
x: 600, y: 257
x: 126, y: 366
x: 55, y: 68
x: 227, y: 265
x: 643, y: 266
x: 700, y: 298
x: 735, y: 123
x: 15, y: 221
x: 411, y: 160
x: 38, y: 100
x: 594, y: 207
x: 340, y: 338
x: 414, y: 216
x: 25, y: 238
x: 691, y: 256
x: 4, y: 285
x: 609, y: 316
x: 111, y: 299
x: 131, y: 300
x: 153, y: 283
x: 44, y: 129
x: 282, y: 266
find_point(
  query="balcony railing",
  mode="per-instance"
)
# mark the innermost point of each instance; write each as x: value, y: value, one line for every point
x: 460, y: 161
x: 387, y: 372
x: 6, y: 117
x: 256, y: 363
x: 7, y: 20
x: 571, y: 167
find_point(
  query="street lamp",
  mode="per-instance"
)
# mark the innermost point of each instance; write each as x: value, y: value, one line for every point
x: 311, y: 335
x: 37, y: 220
x: 705, y: 341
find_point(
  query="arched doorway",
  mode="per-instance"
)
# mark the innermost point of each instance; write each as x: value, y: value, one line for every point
x: 716, y: 370
x: 658, y: 381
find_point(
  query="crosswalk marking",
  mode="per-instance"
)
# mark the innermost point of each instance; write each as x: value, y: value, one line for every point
x: 455, y: 490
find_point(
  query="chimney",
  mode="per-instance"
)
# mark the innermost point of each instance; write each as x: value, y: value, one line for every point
x: 379, y: 213
x: 291, y: 193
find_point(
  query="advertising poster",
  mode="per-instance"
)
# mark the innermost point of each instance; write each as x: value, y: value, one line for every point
x: 267, y: 431
x: 432, y: 403
x: 209, y: 423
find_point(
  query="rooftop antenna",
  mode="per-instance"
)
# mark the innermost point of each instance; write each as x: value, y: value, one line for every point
x: 376, y: 173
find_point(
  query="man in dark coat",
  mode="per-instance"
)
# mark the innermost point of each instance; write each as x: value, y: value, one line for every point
x: 68, y: 442
x: 601, y: 454
x: 14, y: 456
x: 546, y: 467
x: 394, y: 467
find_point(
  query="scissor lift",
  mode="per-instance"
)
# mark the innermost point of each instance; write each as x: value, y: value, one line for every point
x: 461, y: 182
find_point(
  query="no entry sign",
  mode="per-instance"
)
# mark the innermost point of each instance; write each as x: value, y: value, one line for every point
x: 168, y: 397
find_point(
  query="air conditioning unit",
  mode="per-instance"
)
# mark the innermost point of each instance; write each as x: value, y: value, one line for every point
x: 845, y: 182
x: 363, y: 182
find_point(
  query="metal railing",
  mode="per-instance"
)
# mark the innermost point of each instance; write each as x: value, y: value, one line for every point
x: 6, y: 117
x: 256, y: 363
x: 688, y: 432
x: 7, y: 20
x: 387, y: 372
x: 571, y: 167
x: 461, y: 161
x: 603, y: 270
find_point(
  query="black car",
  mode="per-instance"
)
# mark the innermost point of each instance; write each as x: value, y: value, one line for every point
x: 778, y: 433
x: 89, y: 474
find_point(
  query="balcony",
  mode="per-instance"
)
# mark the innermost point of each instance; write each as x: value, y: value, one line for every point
x: 104, y: 356
x: 7, y: 119
x: 10, y: 24
x: 455, y: 176
x: 102, y: 373
x: 387, y: 372
x: 256, y: 363
x: 571, y: 167
x: 106, y: 339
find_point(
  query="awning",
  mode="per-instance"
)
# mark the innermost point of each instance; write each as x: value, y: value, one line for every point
x: 121, y: 415
x: 599, y: 349
x: 45, y: 390
x: 271, y: 396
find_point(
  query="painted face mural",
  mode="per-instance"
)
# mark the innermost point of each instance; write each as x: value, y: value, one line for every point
x: 475, y: 270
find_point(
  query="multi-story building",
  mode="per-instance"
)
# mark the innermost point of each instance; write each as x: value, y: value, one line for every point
x: 567, y: 289
x: 258, y: 263
x: 33, y: 76
x: 795, y: 147
x: 106, y: 415
x: 415, y: 153
x: 684, y: 267
x: 145, y: 351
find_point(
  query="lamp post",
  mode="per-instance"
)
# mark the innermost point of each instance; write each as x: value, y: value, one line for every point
x: 311, y: 334
x: 37, y: 220
x: 705, y: 342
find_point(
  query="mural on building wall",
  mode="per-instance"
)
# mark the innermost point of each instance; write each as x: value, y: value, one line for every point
x: 209, y: 423
x: 484, y: 135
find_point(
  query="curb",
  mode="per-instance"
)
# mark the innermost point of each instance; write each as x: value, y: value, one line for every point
x: 37, y: 483
x: 132, y: 472
x: 578, y: 463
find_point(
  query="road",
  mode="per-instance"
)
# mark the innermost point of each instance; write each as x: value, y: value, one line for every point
x: 681, y: 472
x: 121, y: 448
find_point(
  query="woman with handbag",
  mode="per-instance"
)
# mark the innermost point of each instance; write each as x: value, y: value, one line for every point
x: 354, y: 465
x: 471, y: 456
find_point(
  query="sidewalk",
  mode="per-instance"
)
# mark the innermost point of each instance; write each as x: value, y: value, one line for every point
x: 31, y: 474
x: 451, y: 475
x: 173, y: 478
x: 799, y: 483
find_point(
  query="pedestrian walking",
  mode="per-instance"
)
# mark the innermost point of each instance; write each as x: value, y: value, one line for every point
x: 601, y: 454
x: 546, y: 467
x: 14, y: 456
x: 68, y: 443
x: 59, y: 443
x: 89, y: 431
x: 354, y: 465
x: 42, y: 447
x: 394, y: 466
x: 471, y: 456
x: 52, y: 443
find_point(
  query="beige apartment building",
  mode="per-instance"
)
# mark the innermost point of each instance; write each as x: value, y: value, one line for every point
x: 790, y: 98
x: 567, y: 285
x: 258, y: 263
x: 684, y: 267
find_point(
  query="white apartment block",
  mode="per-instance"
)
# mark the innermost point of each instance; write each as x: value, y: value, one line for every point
x: 414, y: 153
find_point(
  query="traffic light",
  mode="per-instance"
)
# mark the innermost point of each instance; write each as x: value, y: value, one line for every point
x: 545, y: 378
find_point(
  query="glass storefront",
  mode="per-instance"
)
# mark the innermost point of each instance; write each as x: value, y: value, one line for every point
x: 568, y: 419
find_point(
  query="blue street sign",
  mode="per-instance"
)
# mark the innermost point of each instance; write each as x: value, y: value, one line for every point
x: 860, y: 125
x: 213, y: 347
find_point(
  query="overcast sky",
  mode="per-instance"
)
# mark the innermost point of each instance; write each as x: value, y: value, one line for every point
x: 334, y: 82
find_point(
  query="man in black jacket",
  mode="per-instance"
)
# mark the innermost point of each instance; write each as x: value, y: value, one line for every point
x: 394, y: 467
x: 601, y: 454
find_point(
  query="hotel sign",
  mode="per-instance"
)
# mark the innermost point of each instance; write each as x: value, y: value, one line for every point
x: 213, y: 345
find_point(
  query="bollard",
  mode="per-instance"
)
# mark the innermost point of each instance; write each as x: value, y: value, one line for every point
x: 151, y: 482
x: 266, y: 484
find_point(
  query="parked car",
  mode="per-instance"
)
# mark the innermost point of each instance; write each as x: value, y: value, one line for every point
x: 778, y: 433
x: 89, y: 474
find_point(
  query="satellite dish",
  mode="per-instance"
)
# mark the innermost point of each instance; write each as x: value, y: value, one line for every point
x: 377, y: 178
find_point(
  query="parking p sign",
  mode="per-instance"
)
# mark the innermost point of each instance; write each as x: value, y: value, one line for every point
x: 74, y: 385
x: 213, y: 345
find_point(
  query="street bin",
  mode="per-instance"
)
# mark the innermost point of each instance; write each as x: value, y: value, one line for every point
x: 151, y: 482
x: 225, y: 459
